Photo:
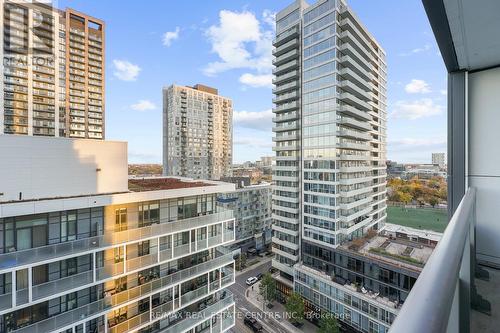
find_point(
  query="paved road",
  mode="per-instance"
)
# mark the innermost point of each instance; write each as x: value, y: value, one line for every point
x: 244, y: 306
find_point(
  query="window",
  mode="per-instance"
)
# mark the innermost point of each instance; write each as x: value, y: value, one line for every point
x: 187, y: 208
x: 149, y: 213
x: 68, y: 226
x: 120, y: 219
x: 143, y: 248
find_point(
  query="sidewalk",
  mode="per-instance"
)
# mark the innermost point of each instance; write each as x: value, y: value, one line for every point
x: 261, y: 261
x: 278, y: 312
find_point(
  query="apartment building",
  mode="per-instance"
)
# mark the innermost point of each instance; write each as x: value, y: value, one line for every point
x: 439, y: 159
x: 53, y: 71
x: 251, y: 204
x: 364, y: 281
x: 84, y: 249
x: 197, y: 132
x: 330, y: 174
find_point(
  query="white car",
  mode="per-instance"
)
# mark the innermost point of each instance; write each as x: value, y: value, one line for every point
x: 251, y: 280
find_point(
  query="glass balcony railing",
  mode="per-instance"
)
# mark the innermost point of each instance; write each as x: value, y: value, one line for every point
x: 77, y: 247
x: 212, y: 310
x: 440, y: 300
x: 119, y: 299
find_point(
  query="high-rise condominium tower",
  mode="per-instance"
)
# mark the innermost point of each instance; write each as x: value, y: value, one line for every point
x: 197, y: 132
x: 330, y: 124
x: 53, y: 71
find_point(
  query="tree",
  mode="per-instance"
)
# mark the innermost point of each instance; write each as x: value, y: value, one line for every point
x: 405, y: 197
x: 328, y: 324
x: 241, y: 262
x: 267, y: 288
x: 433, y: 201
x: 295, y: 308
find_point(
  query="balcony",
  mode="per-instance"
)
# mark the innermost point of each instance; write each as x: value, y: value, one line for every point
x: 357, y: 102
x: 119, y: 299
x: 351, y: 75
x: 353, y: 112
x: 294, y: 43
x: 293, y: 54
x: 286, y: 36
x: 293, y: 75
x: 213, y: 310
x: 446, y: 291
x: 359, y: 125
x: 352, y: 88
x: 285, y: 97
x: 291, y: 65
x: 286, y: 87
x: 87, y: 245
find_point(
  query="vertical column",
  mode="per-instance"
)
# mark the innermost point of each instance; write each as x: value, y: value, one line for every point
x: 189, y: 241
x: 223, y: 223
x: 151, y: 308
x: 94, y: 267
x: 30, y: 71
x: 124, y: 258
x: 172, y: 245
x: 158, y: 249
x: 105, y: 323
x: 30, y: 284
x: 14, y: 288
x: 178, y: 287
x: 195, y: 240
x: 457, y: 145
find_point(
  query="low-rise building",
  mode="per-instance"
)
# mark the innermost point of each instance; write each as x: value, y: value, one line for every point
x: 365, y: 281
x: 251, y: 205
x: 85, y: 253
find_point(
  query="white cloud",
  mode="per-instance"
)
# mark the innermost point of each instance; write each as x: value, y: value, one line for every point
x: 269, y: 17
x: 257, y: 81
x: 170, y: 36
x: 444, y: 92
x: 143, y: 105
x: 416, y: 109
x: 125, y: 70
x: 240, y: 41
x: 425, y: 48
x: 417, y: 87
x: 255, y: 120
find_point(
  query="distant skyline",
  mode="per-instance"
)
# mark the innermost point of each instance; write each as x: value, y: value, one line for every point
x: 227, y: 45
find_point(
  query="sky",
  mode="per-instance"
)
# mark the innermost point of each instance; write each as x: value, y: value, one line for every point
x: 227, y: 44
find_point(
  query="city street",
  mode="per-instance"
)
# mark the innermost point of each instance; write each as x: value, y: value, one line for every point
x: 244, y: 306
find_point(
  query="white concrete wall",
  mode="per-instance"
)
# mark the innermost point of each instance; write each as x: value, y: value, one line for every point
x: 484, y: 159
x: 43, y: 167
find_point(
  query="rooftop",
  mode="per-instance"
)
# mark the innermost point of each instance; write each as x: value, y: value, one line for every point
x: 162, y: 183
x: 400, y: 252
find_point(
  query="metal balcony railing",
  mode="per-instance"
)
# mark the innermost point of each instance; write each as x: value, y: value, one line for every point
x: 440, y: 300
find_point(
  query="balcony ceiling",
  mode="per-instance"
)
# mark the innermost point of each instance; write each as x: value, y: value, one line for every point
x: 467, y: 32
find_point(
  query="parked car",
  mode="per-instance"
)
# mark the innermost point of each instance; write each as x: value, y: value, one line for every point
x: 252, y: 323
x: 251, y: 280
x: 259, y: 276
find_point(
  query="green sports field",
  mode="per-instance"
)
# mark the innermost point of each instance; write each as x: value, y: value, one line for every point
x: 428, y: 219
